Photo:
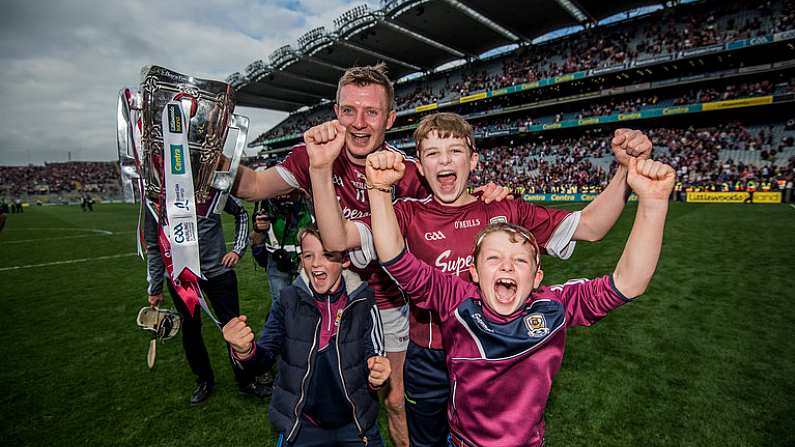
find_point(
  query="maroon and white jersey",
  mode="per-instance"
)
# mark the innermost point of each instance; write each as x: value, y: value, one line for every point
x: 443, y: 237
x: 501, y: 367
x: 349, y: 183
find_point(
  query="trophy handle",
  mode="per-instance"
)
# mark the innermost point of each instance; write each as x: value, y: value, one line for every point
x: 125, y: 139
x: 223, y: 180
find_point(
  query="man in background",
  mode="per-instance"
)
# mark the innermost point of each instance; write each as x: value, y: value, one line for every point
x: 219, y: 288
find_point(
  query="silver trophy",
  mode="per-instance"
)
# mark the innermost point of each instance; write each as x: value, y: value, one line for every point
x: 140, y: 135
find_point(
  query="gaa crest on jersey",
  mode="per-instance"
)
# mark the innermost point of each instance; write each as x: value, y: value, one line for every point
x: 498, y: 219
x: 536, y: 325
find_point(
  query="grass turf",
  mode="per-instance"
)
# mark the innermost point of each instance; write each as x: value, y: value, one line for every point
x: 704, y: 358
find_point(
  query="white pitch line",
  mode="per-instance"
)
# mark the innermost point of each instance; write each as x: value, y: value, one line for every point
x: 70, y: 261
x: 93, y: 230
x: 73, y: 261
x: 95, y: 233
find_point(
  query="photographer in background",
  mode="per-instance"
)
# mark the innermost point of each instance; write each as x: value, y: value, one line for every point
x: 274, y: 239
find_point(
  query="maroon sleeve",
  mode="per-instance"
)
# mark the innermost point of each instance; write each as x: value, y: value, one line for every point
x: 412, y: 184
x: 588, y: 301
x: 297, y: 165
x: 426, y: 286
x: 403, y: 212
x: 542, y: 222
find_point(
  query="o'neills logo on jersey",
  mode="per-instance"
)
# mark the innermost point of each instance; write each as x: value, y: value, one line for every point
x: 336, y: 179
x: 469, y: 223
x: 434, y: 236
x: 482, y: 324
x: 353, y: 214
x: 456, y: 266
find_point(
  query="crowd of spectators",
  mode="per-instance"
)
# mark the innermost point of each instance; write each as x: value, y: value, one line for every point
x: 663, y: 32
x: 75, y: 176
x: 583, y: 163
x: 666, y: 32
x: 297, y: 124
x: 545, y: 164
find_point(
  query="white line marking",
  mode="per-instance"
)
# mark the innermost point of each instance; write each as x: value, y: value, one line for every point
x: 73, y: 261
x: 95, y: 233
x: 70, y: 261
x: 93, y: 230
x: 792, y: 205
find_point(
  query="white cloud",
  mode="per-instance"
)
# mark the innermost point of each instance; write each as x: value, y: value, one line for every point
x: 62, y: 63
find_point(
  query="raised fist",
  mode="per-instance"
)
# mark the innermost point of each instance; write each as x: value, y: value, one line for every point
x: 239, y: 335
x: 380, y: 369
x: 384, y: 168
x: 628, y: 143
x: 324, y: 143
x: 651, y: 179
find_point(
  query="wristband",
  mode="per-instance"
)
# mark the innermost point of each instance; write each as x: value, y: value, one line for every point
x: 379, y: 187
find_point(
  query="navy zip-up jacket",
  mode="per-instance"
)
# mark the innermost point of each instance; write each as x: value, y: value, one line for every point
x: 292, y: 335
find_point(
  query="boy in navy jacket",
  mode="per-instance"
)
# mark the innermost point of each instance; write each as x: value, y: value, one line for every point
x: 325, y: 331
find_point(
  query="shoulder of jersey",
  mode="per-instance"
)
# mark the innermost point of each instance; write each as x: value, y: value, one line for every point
x: 298, y: 146
x: 413, y: 200
x: 406, y: 156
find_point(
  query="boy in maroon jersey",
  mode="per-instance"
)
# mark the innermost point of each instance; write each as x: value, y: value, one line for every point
x: 439, y: 229
x: 365, y: 111
x: 505, y: 336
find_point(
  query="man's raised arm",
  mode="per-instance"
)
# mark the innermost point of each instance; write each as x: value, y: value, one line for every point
x: 323, y: 145
x: 652, y: 181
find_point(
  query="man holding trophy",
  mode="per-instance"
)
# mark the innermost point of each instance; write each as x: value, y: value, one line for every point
x: 171, y: 137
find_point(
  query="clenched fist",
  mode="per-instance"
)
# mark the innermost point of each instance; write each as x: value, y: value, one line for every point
x: 324, y: 143
x: 651, y: 180
x: 380, y: 369
x: 384, y: 168
x: 239, y: 335
x: 629, y: 143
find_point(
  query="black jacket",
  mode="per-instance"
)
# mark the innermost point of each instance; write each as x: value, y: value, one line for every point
x: 291, y: 335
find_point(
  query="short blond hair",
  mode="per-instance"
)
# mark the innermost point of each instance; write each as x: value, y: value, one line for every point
x: 446, y: 125
x: 517, y: 233
x: 367, y: 75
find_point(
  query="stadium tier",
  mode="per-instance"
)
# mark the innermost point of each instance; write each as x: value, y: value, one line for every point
x: 60, y: 181
x: 712, y: 82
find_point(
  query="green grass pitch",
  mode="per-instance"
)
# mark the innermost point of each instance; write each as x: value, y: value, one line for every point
x: 706, y: 357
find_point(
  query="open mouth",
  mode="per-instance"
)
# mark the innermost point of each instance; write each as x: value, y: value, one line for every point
x: 359, y: 138
x: 505, y: 290
x: 319, y: 275
x: 446, y: 180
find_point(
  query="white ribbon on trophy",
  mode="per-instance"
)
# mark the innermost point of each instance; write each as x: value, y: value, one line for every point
x: 183, y: 233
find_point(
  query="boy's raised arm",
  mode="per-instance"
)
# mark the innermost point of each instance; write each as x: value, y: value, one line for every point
x: 600, y: 215
x: 652, y: 181
x: 384, y: 169
x: 323, y: 145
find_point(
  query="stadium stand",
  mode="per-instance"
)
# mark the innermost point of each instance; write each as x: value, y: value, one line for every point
x: 58, y: 182
x: 543, y: 112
